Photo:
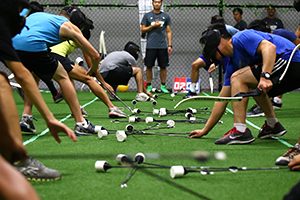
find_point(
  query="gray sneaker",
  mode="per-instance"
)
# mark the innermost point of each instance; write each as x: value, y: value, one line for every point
x: 255, y: 111
x: 34, y: 170
x: 115, y: 112
x: 288, y: 156
x: 26, y: 124
x: 233, y: 136
x: 86, y: 131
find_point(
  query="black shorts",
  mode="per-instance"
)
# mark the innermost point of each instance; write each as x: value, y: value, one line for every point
x: 7, y: 52
x: 41, y: 63
x: 160, y: 54
x: 65, y: 61
x: 290, y: 82
x: 118, y: 76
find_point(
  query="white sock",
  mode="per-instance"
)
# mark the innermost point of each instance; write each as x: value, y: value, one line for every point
x: 84, y: 124
x: 193, y: 87
x: 272, y: 121
x: 240, y: 127
x: 277, y: 100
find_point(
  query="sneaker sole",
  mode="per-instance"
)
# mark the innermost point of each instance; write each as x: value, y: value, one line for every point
x: 116, y: 116
x: 257, y: 115
x: 43, y: 179
x: 83, y: 134
x: 237, y: 142
x: 273, y: 135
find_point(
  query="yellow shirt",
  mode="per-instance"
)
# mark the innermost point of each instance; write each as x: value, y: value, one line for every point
x: 64, y: 48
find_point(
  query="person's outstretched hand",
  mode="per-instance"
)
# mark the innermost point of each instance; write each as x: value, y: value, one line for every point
x: 295, y: 163
x: 197, y: 133
x: 56, y: 126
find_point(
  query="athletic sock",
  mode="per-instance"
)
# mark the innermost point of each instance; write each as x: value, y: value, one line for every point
x: 240, y: 127
x: 277, y: 100
x: 84, y: 124
x: 272, y: 121
x: 193, y: 87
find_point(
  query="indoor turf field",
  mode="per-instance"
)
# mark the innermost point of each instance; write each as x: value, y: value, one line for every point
x: 81, y: 181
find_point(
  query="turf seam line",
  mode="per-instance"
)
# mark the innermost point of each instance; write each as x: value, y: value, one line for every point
x: 258, y: 128
x: 34, y: 138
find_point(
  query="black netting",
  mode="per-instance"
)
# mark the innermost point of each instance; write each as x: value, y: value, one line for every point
x: 120, y: 21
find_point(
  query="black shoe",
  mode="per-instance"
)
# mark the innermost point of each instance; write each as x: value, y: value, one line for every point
x: 34, y: 170
x: 255, y: 111
x: 26, y: 124
x: 233, y: 136
x: 267, y: 132
x: 58, y: 97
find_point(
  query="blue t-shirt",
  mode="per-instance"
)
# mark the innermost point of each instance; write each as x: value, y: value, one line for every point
x: 156, y: 38
x: 245, y: 44
x: 291, y: 36
x: 40, y: 32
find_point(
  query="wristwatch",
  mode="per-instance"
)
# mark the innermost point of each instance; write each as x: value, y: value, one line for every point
x: 266, y: 75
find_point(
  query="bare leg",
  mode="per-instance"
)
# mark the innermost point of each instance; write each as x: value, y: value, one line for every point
x: 21, y: 190
x: 79, y: 74
x: 163, y: 75
x: 137, y: 73
x: 68, y: 90
x: 11, y: 146
x: 149, y: 75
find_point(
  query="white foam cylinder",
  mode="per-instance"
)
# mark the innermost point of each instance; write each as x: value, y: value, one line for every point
x: 99, y: 165
x: 149, y: 119
x: 132, y: 119
x: 121, y: 136
x: 177, y: 171
x: 155, y: 111
x: 170, y: 123
x: 162, y: 111
x: 102, y: 133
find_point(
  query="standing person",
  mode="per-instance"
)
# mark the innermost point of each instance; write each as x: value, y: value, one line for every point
x: 42, y: 31
x: 271, y: 21
x: 119, y: 66
x: 11, y: 144
x: 238, y: 17
x: 247, y: 49
x: 157, y: 25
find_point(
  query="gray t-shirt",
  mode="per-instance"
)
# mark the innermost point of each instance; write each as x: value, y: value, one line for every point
x: 156, y: 38
x: 117, y: 59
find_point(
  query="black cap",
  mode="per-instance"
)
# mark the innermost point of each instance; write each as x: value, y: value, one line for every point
x: 210, y: 41
x: 297, y: 5
x: 133, y: 49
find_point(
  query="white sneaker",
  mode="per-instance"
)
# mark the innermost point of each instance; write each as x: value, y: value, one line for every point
x: 142, y: 97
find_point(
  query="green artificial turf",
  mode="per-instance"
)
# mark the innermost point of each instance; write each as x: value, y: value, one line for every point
x: 81, y: 181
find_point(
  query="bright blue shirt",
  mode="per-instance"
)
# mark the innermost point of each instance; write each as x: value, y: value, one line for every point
x: 245, y: 44
x: 40, y: 32
x: 291, y: 36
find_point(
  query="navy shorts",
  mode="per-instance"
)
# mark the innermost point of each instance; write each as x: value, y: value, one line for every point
x: 290, y: 82
x: 160, y: 54
x: 118, y: 76
x: 41, y: 63
x: 65, y: 61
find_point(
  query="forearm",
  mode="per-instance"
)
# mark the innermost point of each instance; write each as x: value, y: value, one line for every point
x: 218, y: 110
x: 216, y: 114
